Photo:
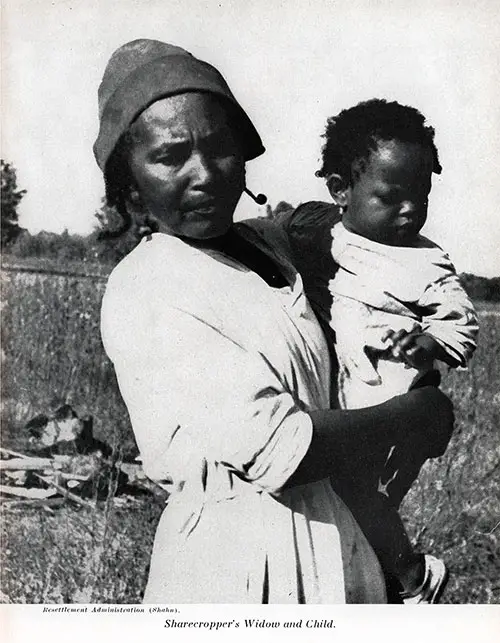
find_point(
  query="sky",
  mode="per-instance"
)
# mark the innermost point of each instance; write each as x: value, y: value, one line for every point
x: 291, y: 64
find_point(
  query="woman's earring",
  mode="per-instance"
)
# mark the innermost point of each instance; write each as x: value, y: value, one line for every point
x: 135, y: 197
x: 147, y: 229
x: 342, y: 209
x: 145, y: 224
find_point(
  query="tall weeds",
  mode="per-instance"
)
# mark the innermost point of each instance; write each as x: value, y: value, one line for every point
x: 53, y: 354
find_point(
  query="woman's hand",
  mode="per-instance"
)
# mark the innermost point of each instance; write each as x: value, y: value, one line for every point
x: 437, y: 422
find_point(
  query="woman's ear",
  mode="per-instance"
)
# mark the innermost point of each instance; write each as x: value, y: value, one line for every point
x: 133, y: 202
x: 338, y: 188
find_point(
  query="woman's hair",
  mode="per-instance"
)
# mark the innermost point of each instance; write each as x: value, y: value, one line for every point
x: 355, y: 132
x: 118, y: 183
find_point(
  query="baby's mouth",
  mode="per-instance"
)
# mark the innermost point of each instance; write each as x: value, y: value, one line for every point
x: 408, y: 226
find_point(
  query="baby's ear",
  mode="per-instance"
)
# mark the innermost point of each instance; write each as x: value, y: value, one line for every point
x: 338, y: 187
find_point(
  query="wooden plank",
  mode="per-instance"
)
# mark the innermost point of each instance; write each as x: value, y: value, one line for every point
x: 74, y: 476
x: 56, y: 457
x: 8, y: 503
x: 27, y: 492
x: 27, y: 463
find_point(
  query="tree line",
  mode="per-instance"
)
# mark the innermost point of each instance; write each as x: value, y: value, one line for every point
x: 102, y: 246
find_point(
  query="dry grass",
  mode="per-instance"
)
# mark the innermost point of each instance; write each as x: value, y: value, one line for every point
x: 53, y: 354
x: 454, y: 508
x: 72, y: 555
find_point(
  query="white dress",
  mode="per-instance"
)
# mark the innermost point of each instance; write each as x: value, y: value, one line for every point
x: 218, y: 371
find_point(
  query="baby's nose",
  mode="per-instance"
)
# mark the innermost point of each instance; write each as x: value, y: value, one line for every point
x: 407, y: 207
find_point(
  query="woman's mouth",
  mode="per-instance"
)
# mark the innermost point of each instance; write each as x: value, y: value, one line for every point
x: 202, y: 207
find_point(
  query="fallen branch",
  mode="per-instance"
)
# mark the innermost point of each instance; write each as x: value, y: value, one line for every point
x: 15, y: 454
x: 67, y: 494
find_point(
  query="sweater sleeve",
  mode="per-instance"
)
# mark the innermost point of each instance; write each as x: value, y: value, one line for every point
x: 450, y: 318
x: 196, y: 395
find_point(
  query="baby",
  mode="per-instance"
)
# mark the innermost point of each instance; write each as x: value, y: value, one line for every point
x: 391, y: 297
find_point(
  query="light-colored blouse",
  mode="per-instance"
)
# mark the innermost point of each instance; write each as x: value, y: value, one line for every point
x: 218, y: 371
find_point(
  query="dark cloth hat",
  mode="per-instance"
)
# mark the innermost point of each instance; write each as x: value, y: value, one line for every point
x: 143, y: 71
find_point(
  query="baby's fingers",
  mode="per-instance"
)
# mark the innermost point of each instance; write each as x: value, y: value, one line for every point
x: 412, y: 350
x: 414, y: 356
x: 407, y: 343
x: 389, y: 334
x: 401, y: 343
x: 395, y: 337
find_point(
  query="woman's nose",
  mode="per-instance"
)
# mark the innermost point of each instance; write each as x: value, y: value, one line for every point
x: 202, y: 168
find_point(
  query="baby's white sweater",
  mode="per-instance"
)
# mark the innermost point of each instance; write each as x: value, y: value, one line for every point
x: 379, y: 288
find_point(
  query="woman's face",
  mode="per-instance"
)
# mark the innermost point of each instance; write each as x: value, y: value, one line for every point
x: 187, y: 165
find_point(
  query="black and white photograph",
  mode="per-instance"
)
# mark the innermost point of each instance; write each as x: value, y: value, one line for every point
x: 250, y: 273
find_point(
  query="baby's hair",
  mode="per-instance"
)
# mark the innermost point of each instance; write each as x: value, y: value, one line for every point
x: 355, y: 132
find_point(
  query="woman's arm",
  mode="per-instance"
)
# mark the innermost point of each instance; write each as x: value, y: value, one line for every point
x: 422, y: 418
x: 194, y: 393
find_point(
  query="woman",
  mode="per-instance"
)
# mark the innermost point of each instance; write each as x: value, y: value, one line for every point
x: 220, y: 359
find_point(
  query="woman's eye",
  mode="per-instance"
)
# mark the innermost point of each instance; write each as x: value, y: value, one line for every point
x: 173, y: 156
x: 165, y: 160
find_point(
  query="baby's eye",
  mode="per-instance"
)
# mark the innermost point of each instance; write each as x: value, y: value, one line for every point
x: 388, y: 198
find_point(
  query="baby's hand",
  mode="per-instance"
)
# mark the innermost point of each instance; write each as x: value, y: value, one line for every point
x: 416, y: 349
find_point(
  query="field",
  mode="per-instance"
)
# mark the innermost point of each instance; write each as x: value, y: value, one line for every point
x: 52, y: 354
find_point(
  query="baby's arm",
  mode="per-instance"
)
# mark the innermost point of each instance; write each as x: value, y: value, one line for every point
x: 449, y: 325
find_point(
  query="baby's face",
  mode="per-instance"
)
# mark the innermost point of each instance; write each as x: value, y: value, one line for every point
x: 388, y: 200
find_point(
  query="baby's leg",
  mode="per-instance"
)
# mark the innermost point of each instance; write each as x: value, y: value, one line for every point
x: 358, y: 484
x: 384, y: 529
x: 399, y: 474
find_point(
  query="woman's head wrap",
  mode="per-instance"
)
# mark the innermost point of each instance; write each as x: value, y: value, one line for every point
x: 144, y: 71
